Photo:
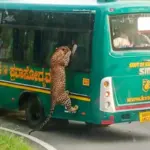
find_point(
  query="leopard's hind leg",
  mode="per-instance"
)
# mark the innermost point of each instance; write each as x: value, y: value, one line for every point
x: 69, y: 106
x: 65, y: 100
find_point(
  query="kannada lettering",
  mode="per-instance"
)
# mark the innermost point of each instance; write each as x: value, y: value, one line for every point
x: 4, y: 70
x: 26, y: 73
x: 30, y: 74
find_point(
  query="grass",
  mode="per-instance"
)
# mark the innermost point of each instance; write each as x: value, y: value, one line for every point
x: 12, y: 142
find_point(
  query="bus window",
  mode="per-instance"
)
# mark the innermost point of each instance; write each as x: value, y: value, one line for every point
x: 45, y: 42
x: 37, y: 35
x: 6, y: 43
x: 75, y: 27
x: 61, y: 29
x: 29, y: 45
x: 23, y: 45
x: 44, y: 46
x: 49, y: 45
x: 81, y: 49
x: 126, y: 34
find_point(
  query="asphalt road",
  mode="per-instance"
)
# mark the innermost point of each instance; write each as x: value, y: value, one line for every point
x: 77, y: 136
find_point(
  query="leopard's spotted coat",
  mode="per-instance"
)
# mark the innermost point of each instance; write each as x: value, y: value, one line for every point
x: 59, y: 60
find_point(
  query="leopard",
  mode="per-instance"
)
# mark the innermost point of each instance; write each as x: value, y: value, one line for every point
x: 59, y: 95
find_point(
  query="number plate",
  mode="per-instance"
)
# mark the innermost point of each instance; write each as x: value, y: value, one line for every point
x: 144, y: 116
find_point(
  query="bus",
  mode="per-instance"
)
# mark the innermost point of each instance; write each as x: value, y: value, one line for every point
x: 109, y: 74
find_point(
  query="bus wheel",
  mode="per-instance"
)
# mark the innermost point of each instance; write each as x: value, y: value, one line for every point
x: 34, y: 112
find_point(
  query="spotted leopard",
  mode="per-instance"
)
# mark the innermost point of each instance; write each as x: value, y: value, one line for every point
x: 59, y: 60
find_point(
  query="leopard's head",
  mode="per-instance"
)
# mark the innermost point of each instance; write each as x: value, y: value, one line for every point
x: 58, y: 56
x: 65, y: 49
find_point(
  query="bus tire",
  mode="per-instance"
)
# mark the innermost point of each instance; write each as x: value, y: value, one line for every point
x: 34, y: 112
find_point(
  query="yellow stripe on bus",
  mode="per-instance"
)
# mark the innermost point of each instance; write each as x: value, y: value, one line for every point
x: 81, y: 98
x: 34, y: 89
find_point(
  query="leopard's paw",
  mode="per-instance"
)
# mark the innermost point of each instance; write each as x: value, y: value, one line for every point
x: 74, y: 109
x: 67, y: 91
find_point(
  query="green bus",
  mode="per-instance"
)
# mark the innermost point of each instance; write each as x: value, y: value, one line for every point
x: 109, y: 74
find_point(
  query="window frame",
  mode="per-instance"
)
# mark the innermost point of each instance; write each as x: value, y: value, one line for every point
x: 128, y: 49
x: 88, y: 31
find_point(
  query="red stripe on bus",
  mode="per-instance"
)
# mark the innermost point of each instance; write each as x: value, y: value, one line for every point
x: 132, y: 106
x: 108, y: 122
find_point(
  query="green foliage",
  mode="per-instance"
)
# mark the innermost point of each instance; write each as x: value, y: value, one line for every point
x: 12, y: 142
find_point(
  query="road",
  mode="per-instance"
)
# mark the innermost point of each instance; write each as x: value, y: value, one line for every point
x: 77, y: 137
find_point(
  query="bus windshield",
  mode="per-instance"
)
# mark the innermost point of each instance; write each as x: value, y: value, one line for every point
x: 130, y: 31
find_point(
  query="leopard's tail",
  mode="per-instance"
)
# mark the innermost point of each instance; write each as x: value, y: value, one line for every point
x: 44, y: 123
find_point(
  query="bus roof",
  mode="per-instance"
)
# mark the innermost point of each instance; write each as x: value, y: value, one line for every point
x: 66, y: 4
x: 55, y: 2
